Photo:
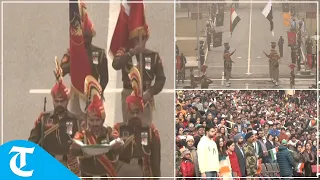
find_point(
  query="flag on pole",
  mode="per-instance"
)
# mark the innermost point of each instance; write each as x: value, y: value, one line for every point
x: 234, y: 19
x: 79, y: 60
x: 120, y: 38
x: 300, y: 167
x: 273, y: 153
x: 267, y: 12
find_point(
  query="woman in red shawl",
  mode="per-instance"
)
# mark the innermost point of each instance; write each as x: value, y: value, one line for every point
x: 233, y: 159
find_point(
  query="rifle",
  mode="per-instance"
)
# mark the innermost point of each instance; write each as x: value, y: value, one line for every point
x: 41, y: 124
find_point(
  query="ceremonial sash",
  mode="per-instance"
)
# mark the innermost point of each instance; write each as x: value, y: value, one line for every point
x: 103, y: 159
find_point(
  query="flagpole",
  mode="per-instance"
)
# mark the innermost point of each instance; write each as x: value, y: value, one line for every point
x: 249, y: 48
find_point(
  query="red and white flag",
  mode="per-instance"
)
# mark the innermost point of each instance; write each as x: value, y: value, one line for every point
x: 234, y: 19
x: 120, y: 35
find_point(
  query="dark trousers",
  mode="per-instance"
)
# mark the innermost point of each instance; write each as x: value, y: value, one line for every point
x: 201, y: 60
x: 281, y: 50
x: 208, y: 44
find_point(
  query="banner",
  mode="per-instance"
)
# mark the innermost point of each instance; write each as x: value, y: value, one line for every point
x: 285, y: 7
x: 217, y: 39
x: 219, y: 20
x: 292, y: 38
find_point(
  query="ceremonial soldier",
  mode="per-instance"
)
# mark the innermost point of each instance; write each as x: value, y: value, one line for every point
x: 54, y: 130
x: 142, y: 150
x: 205, y: 81
x: 292, y: 75
x: 95, y: 134
x: 149, y: 64
x: 273, y: 64
x: 227, y: 63
x: 97, y: 60
x: 309, y: 45
x: 201, y: 53
x: 280, y: 44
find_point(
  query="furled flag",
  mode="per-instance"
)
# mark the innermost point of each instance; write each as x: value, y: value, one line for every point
x: 300, y: 167
x: 79, y: 60
x: 267, y: 12
x: 234, y: 19
x: 273, y: 153
x: 120, y: 38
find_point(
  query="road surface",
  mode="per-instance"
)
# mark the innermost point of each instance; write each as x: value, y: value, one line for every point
x: 35, y: 33
x: 249, y: 57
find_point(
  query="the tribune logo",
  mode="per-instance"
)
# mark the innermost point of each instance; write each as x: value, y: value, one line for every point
x: 22, y: 151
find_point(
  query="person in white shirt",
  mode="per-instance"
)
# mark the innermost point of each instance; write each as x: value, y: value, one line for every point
x: 208, y: 157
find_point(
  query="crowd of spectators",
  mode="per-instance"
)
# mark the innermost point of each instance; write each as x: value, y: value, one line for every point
x: 232, y: 133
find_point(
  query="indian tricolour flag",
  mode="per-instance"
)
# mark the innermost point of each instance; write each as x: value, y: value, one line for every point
x: 300, y: 167
x: 273, y: 153
x: 234, y: 19
x: 267, y: 12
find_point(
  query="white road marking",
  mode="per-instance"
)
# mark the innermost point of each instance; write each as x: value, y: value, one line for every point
x: 259, y: 79
x: 188, y: 38
x: 259, y: 57
x: 247, y: 86
x: 106, y: 91
x: 222, y: 78
x: 249, y: 47
x: 240, y: 66
x: 238, y: 57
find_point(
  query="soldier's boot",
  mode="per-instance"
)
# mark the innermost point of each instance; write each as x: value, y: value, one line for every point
x: 271, y: 80
x: 227, y: 84
x: 276, y: 83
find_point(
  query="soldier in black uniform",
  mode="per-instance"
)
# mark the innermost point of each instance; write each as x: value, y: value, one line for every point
x: 142, y: 147
x: 205, y: 81
x: 152, y: 71
x: 54, y: 130
x: 202, y: 54
x: 99, y: 68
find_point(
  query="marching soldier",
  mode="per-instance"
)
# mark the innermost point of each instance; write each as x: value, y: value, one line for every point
x: 227, y: 63
x: 280, y: 44
x: 205, y: 81
x: 142, y: 143
x: 152, y: 70
x: 97, y: 60
x: 54, y: 130
x: 202, y: 54
x: 101, y: 165
x: 273, y: 64
x: 309, y: 45
x: 292, y: 75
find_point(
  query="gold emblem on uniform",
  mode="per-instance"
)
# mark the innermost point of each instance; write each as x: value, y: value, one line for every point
x: 147, y: 64
x: 95, y: 56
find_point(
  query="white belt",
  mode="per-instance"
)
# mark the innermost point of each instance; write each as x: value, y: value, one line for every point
x: 59, y: 157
